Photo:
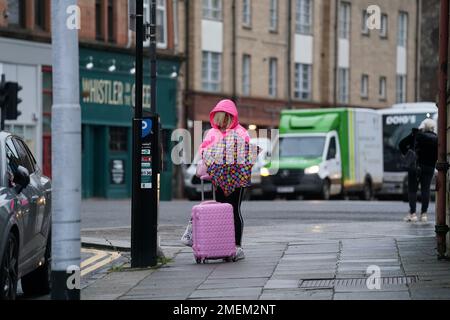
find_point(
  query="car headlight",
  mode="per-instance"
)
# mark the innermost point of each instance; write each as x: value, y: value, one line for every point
x: 264, y: 172
x: 312, y: 170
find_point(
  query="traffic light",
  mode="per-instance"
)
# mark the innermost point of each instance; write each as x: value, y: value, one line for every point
x: 12, y: 100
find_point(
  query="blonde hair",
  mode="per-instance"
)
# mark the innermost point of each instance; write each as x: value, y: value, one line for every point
x: 223, y: 120
x: 428, y: 125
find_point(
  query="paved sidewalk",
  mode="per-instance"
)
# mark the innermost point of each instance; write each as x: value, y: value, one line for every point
x: 326, y: 262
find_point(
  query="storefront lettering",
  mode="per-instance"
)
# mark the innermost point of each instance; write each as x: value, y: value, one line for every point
x: 112, y: 92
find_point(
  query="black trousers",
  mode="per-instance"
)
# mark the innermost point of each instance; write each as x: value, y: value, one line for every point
x: 235, y: 199
x: 423, y: 175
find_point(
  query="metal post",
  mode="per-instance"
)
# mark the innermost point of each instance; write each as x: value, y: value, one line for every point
x: 152, y: 36
x: 144, y: 200
x: 442, y: 165
x: 66, y: 156
x: 3, y: 107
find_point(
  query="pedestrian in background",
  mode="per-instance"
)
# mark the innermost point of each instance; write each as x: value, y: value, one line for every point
x: 423, y: 142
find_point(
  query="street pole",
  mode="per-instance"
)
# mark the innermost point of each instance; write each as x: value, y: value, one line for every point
x: 442, y: 165
x: 66, y: 156
x: 144, y: 207
x: 3, y: 108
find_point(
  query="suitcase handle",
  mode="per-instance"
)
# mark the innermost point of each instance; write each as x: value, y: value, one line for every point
x: 202, y: 179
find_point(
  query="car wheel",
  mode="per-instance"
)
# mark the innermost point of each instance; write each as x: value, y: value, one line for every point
x: 9, y: 269
x: 38, y: 282
x: 325, y: 195
x: 367, y: 193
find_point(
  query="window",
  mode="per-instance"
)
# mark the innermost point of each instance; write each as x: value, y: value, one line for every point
x: 118, y: 139
x: 211, y: 71
x: 246, y: 79
x: 111, y: 35
x: 273, y: 77
x: 365, y: 18
x: 212, y: 9
x: 344, y: 20
x: 332, y: 150
x: 382, y: 89
x: 24, y: 157
x: 365, y: 86
x: 273, y: 15
x: 343, y: 78
x: 303, y: 20
x: 303, y: 75
x: 99, y: 18
x: 402, y: 32
x: 247, y: 12
x: 401, y: 88
x: 384, y: 26
x: 12, y: 157
x: 161, y: 22
x: 16, y: 13
x: 40, y: 14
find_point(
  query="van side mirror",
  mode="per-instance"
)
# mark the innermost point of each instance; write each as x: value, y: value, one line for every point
x: 21, y: 178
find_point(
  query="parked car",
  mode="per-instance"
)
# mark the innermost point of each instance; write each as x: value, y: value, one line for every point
x: 192, y: 183
x: 25, y: 221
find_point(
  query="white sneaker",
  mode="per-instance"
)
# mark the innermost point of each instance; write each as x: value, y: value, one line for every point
x: 186, y: 239
x: 239, y: 254
x: 411, y: 218
x: 423, y: 217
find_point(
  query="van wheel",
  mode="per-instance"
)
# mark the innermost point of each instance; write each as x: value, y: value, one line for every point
x: 38, y: 282
x: 325, y: 195
x: 9, y: 268
x: 367, y: 193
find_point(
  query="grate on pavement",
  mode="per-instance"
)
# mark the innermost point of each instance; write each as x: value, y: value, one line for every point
x: 354, y: 282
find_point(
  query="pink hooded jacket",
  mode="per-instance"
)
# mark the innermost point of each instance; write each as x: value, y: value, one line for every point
x: 215, y: 134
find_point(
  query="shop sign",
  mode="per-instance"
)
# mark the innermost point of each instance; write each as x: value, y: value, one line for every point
x: 111, y: 92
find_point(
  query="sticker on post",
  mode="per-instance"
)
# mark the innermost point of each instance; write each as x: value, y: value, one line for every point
x: 146, y: 185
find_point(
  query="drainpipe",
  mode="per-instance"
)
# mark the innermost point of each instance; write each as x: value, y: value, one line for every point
x: 187, y: 82
x: 336, y: 53
x: 418, y: 41
x: 289, y: 56
x: 130, y: 33
x: 233, y: 23
x: 442, y: 165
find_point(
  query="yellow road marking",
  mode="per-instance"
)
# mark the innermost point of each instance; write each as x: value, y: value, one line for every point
x: 97, y: 256
x: 112, y: 256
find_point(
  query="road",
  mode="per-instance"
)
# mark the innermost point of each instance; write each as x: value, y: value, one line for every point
x: 308, y: 219
x: 113, y: 214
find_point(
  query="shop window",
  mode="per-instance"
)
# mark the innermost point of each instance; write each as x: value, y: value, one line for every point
x: 118, y: 139
x: 16, y: 13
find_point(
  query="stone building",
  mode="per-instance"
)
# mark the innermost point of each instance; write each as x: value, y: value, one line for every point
x: 269, y: 55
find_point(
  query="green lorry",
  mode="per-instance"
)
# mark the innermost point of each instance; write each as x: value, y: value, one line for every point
x: 324, y: 153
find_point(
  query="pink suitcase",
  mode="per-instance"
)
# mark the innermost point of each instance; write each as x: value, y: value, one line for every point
x: 213, y: 230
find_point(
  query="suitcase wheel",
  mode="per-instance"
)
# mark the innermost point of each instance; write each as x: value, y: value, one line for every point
x: 198, y: 260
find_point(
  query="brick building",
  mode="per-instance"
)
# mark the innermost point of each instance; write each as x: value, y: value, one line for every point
x: 271, y: 54
x: 106, y: 85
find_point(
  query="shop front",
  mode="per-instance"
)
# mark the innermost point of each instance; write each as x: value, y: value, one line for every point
x: 107, y: 101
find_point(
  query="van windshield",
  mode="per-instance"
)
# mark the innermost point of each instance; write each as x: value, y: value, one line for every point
x: 301, y: 147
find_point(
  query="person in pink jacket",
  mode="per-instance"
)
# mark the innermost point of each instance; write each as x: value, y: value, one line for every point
x: 224, y: 119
